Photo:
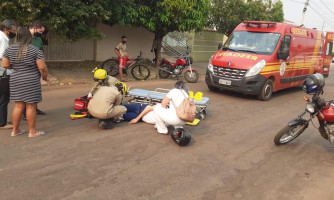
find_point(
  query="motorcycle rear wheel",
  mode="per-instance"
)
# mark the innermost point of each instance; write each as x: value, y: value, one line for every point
x: 289, y: 133
x: 163, y: 74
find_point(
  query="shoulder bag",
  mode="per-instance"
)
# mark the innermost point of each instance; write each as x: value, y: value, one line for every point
x: 187, y: 110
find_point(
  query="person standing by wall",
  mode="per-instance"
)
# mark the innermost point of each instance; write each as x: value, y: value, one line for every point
x: 37, y: 29
x: 123, y: 56
x: 155, y: 49
x: 25, y: 85
x: 7, y: 30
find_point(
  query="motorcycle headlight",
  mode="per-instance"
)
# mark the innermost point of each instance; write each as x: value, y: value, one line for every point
x: 256, y: 68
x: 210, y: 66
x: 310, y: 107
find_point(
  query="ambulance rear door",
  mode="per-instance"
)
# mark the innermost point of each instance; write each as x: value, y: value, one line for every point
x: 327, y: 53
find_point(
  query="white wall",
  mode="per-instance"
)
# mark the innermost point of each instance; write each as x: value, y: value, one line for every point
x: 139, y: 39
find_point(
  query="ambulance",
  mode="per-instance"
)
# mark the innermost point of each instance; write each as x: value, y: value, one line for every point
x: 260, y: 58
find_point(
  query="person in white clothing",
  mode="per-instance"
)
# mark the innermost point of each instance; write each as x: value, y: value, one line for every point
x: 168, y: 115
x: 7, y: 31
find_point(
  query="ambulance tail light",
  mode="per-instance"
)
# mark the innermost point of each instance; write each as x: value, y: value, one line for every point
x: 256, y: 69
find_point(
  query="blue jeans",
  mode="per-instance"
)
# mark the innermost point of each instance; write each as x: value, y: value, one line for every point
x: 4, y: 100
x: 133, y: 110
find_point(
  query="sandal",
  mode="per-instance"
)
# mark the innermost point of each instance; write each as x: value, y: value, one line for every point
x: 39, y: 133
x: 19, y: 133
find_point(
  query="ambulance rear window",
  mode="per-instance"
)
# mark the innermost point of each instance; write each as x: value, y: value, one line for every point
x: 252, y: 42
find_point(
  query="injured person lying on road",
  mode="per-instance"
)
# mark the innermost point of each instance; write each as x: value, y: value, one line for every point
x: 139, y: 111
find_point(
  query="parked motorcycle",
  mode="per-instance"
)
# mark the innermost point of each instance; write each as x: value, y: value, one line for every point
x: 316, y: 107
x: 168, y: 68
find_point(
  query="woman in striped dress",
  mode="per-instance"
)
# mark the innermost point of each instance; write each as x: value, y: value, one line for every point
x: 25, y: 86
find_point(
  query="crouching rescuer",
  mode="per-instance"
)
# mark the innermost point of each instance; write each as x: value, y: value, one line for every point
x: 106, y: 100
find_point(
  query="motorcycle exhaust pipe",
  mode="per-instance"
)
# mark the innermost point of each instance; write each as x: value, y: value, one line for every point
x: 162, y: 69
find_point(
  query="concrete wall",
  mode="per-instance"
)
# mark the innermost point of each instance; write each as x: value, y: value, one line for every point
x: 58, y: 50
x: 139, y: 39
x: 205, y: 44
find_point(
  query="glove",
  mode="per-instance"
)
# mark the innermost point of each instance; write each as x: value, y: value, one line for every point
x: 89, y: 95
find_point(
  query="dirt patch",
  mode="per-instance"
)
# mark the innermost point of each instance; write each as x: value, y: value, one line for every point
x: 81, y: 72
x: 73, y: 72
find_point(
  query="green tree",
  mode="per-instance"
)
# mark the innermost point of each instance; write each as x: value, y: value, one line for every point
x: 71, y: 20
x: 163, y: 16
x: 227, y: 14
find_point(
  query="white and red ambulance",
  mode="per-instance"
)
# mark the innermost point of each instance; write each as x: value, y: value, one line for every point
x: 260, y: 58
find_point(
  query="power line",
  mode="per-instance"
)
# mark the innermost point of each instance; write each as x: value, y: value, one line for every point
x: 327, y: 7
x: 321, y: 16
x: 320, y: 12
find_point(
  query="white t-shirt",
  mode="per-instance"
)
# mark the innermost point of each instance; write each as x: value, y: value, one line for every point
x: 177, y: 97
x: 149, y: 118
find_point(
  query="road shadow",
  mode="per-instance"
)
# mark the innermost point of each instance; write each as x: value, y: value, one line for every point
x: 277, y: 94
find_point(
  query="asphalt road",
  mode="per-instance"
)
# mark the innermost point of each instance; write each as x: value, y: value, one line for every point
x: 231, y: 156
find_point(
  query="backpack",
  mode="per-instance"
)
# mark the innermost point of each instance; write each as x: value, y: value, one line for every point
x: 187, y: 110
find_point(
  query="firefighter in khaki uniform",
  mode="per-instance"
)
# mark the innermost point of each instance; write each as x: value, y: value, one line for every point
x: 106, y: 100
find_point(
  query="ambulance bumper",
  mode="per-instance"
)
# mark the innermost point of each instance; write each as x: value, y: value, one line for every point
x: 247, y: 85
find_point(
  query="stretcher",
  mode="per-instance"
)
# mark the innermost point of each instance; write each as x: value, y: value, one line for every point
x: 156, y: 96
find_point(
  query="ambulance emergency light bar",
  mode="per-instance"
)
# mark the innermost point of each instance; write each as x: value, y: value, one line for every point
x: 258, y: 24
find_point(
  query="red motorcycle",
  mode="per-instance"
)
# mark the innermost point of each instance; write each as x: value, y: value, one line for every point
x: 168, y: 68
x: 317, y: 107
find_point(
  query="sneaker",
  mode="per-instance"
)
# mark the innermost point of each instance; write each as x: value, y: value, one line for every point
x: 39, y: 112
x: 118, y: 120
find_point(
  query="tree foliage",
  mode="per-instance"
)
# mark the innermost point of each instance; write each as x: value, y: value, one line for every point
x: 71, y: 19
x: 163, y: 16
x: 227, y: 14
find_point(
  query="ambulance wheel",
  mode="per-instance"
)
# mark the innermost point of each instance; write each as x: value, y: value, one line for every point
x: 201, y: 116
x: 267, y: 90
x: 205, y: 111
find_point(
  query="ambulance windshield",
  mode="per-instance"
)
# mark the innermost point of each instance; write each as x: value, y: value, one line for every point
x: 252, y: 42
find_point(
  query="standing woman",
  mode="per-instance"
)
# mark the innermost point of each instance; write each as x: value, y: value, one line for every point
x: 25, y: 87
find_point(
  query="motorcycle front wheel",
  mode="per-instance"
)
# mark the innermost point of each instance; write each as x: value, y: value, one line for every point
x: 191, y: 76
x: 289, y: 133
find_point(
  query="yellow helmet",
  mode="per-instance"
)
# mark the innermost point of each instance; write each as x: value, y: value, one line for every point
x: 100, y: 74
x: 121, y: 87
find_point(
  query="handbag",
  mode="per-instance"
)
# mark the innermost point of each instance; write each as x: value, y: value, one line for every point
x: 187, y: 110
x: 4, y: 83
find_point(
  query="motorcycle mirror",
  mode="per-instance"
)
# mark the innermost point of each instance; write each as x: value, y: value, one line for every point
x: 306, y: 99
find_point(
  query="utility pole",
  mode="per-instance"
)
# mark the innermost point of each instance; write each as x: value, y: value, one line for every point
x: 304, y: 11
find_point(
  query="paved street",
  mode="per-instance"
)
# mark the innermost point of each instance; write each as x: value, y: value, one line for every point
x: 231, y: 156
